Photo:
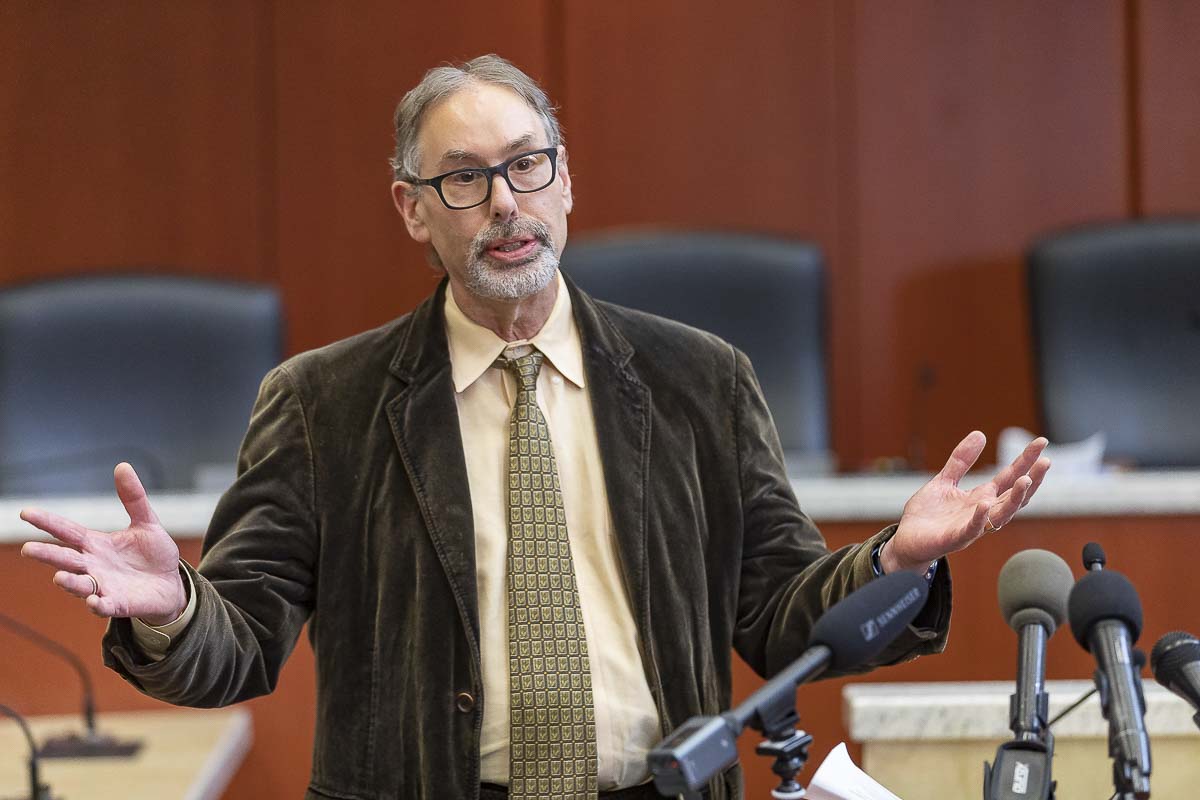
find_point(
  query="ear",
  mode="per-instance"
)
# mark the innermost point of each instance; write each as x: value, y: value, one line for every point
x: 408, y: 204
x: 564, y: 175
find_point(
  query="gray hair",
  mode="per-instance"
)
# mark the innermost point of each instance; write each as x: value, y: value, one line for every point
x: 441, y: 82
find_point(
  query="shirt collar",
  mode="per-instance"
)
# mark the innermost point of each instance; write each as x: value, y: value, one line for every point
x: 473, y: 348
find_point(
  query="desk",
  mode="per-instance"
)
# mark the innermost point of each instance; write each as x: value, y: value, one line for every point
x: 188, y: 754
x: 931, y: 739
x: 833, y: 499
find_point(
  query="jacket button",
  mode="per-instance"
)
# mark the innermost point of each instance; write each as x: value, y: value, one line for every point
x: 464, y: 702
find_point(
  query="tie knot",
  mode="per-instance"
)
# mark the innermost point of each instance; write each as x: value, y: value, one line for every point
x: 524, y: 368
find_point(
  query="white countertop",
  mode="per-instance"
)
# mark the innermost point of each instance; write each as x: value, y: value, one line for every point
x: 979, y: 710
x: 829, y: 499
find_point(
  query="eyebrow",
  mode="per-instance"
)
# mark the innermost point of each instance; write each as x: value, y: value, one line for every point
x: 519, y: 143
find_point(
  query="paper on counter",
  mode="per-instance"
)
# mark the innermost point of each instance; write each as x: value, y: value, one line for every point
x: 839, y: 778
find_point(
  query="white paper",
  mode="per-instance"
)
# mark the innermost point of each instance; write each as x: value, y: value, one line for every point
x: 839, y: 778
x: 1084, y: 457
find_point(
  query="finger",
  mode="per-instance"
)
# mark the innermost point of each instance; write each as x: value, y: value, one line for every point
x: 105, y: 606
x: 1021, y: 465
x: 965, y: 454
x: 54, y: 555
x: 65, y: 530
x: 1009, y: 503
x: 133, y: 495
x: 978, y: 520
x: 78, y: 585
x: 1037, y: 474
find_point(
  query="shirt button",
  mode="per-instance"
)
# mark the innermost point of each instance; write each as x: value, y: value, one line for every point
x: 464, y: 702
x: 556, y: 379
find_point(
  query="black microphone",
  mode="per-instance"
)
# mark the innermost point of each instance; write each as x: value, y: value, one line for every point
x: 1175, y: 662
x: 1094, y: 559
x: 1106, y: 619
x: 849, y: 634
x: 37, y: 789
x: 1032, y: 591
x: 91, y: 744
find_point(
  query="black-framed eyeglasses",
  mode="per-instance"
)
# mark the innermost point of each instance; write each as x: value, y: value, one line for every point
x: 467, y: 188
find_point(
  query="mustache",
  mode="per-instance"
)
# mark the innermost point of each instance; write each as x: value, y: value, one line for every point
x: 534, y: 229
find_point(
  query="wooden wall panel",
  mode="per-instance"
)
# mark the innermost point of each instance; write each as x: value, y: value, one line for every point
x: 345, y: 260
x: 133, y: 135
x: 977, y: 126
x: 1168, y: 106
x: 680, y: 114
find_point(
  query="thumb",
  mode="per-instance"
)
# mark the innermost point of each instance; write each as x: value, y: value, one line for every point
x: 133, y: 495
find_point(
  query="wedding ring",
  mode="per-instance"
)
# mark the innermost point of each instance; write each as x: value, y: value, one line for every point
x: 990, y: 527
x: 95, y: 585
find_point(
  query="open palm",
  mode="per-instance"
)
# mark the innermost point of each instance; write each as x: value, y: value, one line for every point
x: 136, y: 570
x: 942, y: 518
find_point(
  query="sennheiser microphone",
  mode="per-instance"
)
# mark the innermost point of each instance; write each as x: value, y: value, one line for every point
x: 849, y: 634
x: 1094, y: 559
x: 1106, y: 619
x: 1033, y: 589
x: 37, y: 789
x: 1175, y: 662
x: 91, y: 744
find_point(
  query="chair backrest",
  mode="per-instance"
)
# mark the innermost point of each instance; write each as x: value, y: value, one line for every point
x: 763, y: 295
x: 158, y: 371
x: 1116, y: 330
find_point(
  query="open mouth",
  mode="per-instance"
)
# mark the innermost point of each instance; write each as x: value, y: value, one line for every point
x: 514, y: 249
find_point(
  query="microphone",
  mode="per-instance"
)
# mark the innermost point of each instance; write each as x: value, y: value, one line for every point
x: 1175, y: 662
x: 1106, y: 619
x: 37, y: 789
x: 850, y: 633
x: 1032, y: 590
x: 1094, y: 559
x: 92, y: 744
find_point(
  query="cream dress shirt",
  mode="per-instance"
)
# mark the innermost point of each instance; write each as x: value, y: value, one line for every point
x: 627, y: 723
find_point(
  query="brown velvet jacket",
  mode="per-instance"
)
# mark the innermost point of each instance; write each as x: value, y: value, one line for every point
x: 351, y: 512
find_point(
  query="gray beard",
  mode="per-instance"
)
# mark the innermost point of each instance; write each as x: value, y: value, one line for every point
x: 515, y: 281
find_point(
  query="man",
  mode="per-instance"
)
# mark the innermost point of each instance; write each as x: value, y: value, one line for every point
x: 526, y: 528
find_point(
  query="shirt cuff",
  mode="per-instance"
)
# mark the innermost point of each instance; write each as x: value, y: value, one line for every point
x: 155, y: 640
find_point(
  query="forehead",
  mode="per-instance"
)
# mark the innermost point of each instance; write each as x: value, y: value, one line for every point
x: 482, y: 119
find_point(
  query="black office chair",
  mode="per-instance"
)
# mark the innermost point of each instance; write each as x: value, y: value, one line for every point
x: 158, y: 371
x: 1116, y: 331
x: 764, y: 295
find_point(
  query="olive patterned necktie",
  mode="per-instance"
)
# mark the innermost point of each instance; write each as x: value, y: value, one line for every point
x: 552, y: 722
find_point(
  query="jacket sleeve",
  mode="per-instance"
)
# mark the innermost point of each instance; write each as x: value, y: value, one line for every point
x: 256, y: 580
x: 788, y: 575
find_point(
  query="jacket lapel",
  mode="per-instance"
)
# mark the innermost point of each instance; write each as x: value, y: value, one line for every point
x: 424, y: 421
x: 621, y: 409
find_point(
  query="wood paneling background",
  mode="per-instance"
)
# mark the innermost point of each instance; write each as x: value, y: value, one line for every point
x: 922, y: 145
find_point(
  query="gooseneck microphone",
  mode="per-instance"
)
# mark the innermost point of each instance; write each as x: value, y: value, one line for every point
x: 1032, y: 589
x: 37, y: 789
x: 849, y: 634
x: 1106, y: 619
x: 1175, y: 662
x: 91, y: 744
x: 1094, y: 559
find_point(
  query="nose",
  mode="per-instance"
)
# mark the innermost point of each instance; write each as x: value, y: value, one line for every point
x: 503, y: 204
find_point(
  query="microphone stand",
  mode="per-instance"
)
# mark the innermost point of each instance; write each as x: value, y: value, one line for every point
x: 37, y: 789
x: 91, y: 744
x: 1021, y: 770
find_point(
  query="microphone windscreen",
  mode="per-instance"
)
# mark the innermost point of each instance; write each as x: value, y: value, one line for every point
x: 1171, y: 653
x: 1034, y: 581
x: 862, y: 624
x: 1093, y: 554
x: 1103, y: 595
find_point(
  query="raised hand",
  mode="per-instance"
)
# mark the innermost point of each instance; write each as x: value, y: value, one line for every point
x: 129, y: 573
x: 941, y: 518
